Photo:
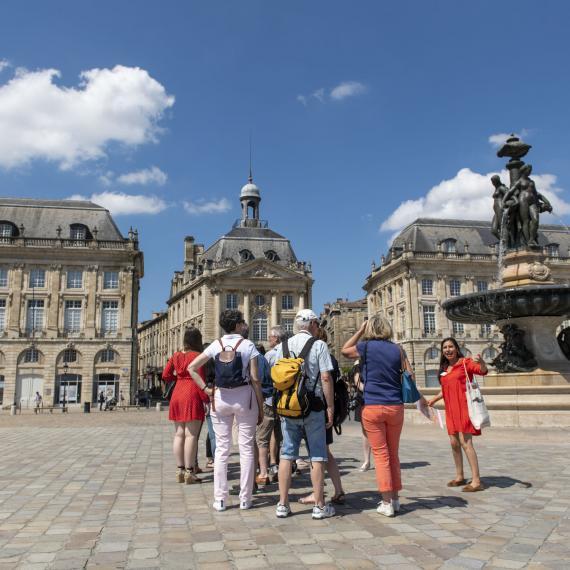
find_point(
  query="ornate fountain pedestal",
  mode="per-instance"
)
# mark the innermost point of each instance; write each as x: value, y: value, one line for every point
x: 525, y: 267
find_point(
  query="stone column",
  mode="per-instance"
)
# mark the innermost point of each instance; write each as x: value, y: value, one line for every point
x: 273, y: 308
x: 246, y: 309
x: 90, y: 300
x: 54, y: 303
x: 216, y: 293
x: 16, y: 306
x: 301, y: 300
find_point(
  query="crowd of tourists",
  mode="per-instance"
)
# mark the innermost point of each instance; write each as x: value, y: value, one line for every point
x: 275, y: 402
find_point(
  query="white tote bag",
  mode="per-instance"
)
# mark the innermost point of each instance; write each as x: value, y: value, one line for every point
x: 478, y: 413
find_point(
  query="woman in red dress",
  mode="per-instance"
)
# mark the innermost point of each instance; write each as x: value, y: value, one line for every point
x: 186, y: 406
x: 453, y: 369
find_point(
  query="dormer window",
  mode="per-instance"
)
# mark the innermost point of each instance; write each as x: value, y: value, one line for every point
x: 7, y: 231
x: 245, y: 255
x: 79, y: 233
x: 552, y: 250
x: 271, y: 255
x: 449, y: 246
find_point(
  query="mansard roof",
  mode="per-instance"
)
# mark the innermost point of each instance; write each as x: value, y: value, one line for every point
x: 41, y: 218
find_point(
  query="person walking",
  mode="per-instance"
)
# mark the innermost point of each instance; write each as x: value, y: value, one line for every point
x: 101, y: 400
x: 37, y: 402
x: 236, y: 395
x: 317, y: 369
x: 383, y: 413
x: 186, y: 408
x: 453, y: 372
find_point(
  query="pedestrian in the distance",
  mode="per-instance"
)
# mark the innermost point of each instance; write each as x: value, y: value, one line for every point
x: 101, y: 400
x: 37, y: 402
x: 186, y: 405
x: 453, y: 372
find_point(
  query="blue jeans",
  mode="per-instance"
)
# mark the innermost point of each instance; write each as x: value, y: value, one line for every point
x: 312, y: 428
x: 211, y: 434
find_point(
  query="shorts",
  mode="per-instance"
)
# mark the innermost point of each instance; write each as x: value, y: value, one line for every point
x: 312, y: 428
x: 266, y: 428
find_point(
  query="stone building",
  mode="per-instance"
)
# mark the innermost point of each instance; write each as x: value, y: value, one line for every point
x: 153, y: 349
x: 251, y: 268
x: 341, y: 319
x: 69, y: 284
x: 432, y: 260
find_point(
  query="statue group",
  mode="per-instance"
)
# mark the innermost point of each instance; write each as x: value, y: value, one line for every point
x: 517, y: 207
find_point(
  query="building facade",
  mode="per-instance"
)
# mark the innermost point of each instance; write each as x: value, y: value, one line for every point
x: 251, y: 268
x: 341, y: 319
x: 69, y: 285
x: 432, y: 260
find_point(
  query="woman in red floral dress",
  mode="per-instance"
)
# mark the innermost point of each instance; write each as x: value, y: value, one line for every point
x: 453, y: 370
x: 186, y: 406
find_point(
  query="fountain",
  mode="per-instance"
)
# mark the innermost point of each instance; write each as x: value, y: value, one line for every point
x: 527, y: 306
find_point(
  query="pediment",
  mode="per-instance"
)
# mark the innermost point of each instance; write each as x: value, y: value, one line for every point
x: 260, y: 269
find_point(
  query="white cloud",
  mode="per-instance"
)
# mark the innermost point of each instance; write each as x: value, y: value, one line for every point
x: 107, y: 178
x: 120, y: 204
x: 4, y: 63
x: 207, y: 207
x: 468, y: 195
x: 143, y: 177
x: 319, y: 95
x: 69, y: 125
x: 347, y: 89
x: 302, y: 99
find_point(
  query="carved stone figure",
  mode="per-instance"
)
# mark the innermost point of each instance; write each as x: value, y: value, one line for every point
x: 514, y: 355
x: 504, y: 212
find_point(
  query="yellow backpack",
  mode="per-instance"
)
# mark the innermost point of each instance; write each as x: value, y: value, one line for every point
x: 292, y: 399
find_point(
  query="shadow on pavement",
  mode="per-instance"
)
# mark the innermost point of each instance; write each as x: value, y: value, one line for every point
x: 367, y: 500
x: 414, y: 464
x: 503, y: 482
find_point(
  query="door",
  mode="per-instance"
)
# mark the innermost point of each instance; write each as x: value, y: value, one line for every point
x: 26, y: 387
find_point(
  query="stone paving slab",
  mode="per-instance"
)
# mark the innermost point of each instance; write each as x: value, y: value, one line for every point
x: 98, y: 491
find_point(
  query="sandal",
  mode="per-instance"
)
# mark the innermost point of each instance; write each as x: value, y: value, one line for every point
x: 338, y: 499
x: 471, y: 489
x: 456, y: 483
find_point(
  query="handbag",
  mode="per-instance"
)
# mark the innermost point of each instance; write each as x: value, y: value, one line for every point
x: 478, y: 413
x: 169, y: 390
x: 410, y: 393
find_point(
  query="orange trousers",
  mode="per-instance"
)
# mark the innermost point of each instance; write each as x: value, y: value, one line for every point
x: 383, y: 426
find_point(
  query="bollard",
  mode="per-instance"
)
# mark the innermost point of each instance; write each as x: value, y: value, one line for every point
x: 86, y: 407
x: 159, y: 406
x: 13, y: 409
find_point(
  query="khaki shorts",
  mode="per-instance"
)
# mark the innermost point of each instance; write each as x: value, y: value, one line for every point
x: 265, y: 429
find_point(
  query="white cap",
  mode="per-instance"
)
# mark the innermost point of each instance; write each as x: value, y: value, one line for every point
x: 306, y: 316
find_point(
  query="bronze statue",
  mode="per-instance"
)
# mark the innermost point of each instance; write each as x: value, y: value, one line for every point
x: 514, y: 355
x: 504, y: 212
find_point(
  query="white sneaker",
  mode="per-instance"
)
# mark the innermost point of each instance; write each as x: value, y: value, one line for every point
x: 323, y: 512
x: 244, y: 505
x: 396, y: 505
x: 219, y: 506
x: 386, y: 509
x: 282, y: 511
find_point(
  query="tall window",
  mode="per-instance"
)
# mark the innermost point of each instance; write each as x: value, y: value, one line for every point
x: 231, y: 301
x: 74, y: 278
x: 3, y: 277
x: 108, y: 355
x: 78, y: 233
x: 70, y: 355
x: 482, y: 286
x: 287, y: 302
x: 111, y: 280
x: 449, y: 246
x: 485, y: 329
x: 37, y: 278
x: 31, y: 355
x: 432, y: 353
x: 427, y: 286
x: 389, y: 291
x: 110, y: 316
x: 429, y: 319
x: 402, y: 320
x: 2, y: 314
x: 259, y: 300
x: 35, y: 315
x: 72, y: 316
x: 259, y: 327
x: 455, y: 288
x: 457, y: 328
x: 287, y: 325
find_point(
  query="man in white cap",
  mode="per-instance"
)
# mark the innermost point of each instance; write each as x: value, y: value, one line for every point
x: 318, y: 367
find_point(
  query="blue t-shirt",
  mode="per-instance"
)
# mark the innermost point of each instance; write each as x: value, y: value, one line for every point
x: 380, y: 362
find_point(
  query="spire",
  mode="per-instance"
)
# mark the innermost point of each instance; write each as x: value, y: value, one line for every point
x: 250, y: 179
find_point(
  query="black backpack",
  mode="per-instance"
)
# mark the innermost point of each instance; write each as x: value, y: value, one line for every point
x: 228, y: 367
x: 341, y: 397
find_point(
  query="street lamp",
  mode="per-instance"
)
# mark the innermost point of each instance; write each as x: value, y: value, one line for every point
x: 65, y: 369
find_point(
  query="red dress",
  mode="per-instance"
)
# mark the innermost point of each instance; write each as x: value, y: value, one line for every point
x: 454, y: 396
x: 187, y: 402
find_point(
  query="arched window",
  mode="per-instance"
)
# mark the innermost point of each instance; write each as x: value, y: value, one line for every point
x: 69, y: 355
x: 449, y: 245
x: 245, y: 255
x: 79, y: 232
x: 489, y: 354
x: 107, y: 355
x: 432, y: 353
x: 271, y: 255
x: 8, y: 230
x: 31, y: 355
x: 259, y: 327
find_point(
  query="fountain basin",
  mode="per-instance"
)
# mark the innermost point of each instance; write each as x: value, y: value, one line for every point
x: 510, y: 303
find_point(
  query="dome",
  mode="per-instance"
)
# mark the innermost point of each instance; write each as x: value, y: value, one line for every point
x: 250, y: 190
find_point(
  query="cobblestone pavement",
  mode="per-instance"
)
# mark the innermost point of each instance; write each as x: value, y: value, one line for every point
x: 98, y: 490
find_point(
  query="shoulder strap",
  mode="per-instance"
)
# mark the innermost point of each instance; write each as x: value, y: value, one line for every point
x: 402, y: 360
x: 307, y: 348
x: 285, y: 348
x: 237, y: 344
x: 221, y: 343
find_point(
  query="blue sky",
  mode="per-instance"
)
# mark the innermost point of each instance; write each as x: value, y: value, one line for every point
x: 359, y: 112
